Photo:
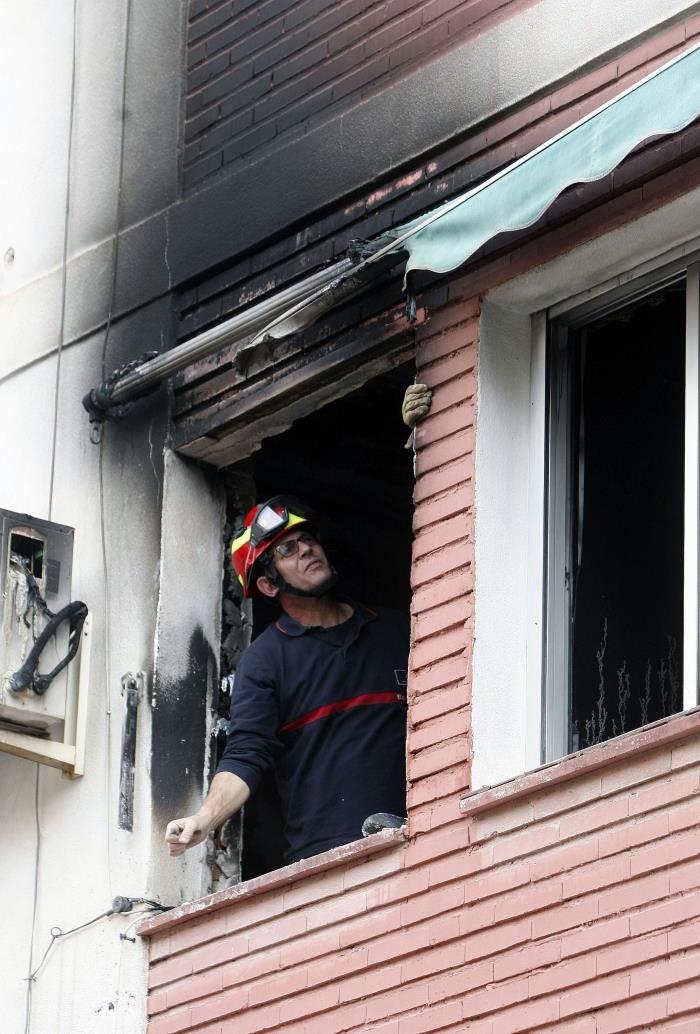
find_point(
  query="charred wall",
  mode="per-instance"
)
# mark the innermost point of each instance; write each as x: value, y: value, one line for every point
x: 260, y: 73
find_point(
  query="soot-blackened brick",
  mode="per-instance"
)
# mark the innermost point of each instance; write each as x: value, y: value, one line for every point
x: 356, y: 80
x: 200, y: 123
x: 300, y: 112
x: 204, y: 26
x: 292, y: 92
x: 419, y: 46
x: 304, y: 12
x: 438, y: 8
x: 301, y: 63
x: 195, y: 55
x: 249, y: 141
x: 286, y: 44
x: 200, y: 170
x: 226, y: 131
x: 390, y: 35
x: 294, y: 61
x: 206, y: 71
x: 344, y: 15
x: 245, y: 96
x: 355, y: 30
x: 226, y: 84
x: 244, y: 42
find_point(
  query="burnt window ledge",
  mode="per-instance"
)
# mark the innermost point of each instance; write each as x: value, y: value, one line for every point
x: 280, y: 879
x: 681, y: 726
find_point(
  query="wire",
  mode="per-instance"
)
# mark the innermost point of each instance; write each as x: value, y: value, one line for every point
x: 120, y: 906
x: 57, y: 391
x: 56, y: 933
x: 101, y: 442
x: 37, y: 857
x: 123, y: 938
x: 64, y: 273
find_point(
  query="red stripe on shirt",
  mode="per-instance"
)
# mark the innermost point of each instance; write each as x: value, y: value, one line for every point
x: 343, y: 705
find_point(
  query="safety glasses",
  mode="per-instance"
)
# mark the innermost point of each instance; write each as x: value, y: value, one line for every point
x: 290, y: 547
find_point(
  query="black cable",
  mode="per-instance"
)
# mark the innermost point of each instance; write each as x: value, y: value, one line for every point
x: 75, y: 614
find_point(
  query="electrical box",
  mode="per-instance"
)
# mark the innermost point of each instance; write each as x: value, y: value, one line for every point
x: 36, y: 559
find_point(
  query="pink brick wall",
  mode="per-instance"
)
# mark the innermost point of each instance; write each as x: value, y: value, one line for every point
x: 575, y: 908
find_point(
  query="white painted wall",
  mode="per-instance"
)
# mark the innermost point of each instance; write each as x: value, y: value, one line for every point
x: 506, y: 698
x: 190, y: 597
x: 92, y: 981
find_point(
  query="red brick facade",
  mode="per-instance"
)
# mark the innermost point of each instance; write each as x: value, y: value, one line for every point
x: 573, y: 907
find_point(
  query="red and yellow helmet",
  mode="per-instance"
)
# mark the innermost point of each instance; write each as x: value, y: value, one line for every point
x: 264, y: 525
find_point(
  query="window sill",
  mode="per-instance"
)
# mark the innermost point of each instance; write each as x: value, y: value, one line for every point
x: 280, y: 878
x: 629, y: 744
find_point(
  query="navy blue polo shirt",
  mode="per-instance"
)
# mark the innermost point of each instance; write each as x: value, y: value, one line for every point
x: 326, y: 707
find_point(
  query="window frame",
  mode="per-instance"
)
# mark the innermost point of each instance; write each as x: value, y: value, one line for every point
x: 561, y: 321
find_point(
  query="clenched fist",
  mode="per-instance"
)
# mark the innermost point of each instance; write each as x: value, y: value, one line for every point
x: 183, y: 833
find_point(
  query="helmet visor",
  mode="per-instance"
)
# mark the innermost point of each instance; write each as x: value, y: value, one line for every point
x: 267, y: 523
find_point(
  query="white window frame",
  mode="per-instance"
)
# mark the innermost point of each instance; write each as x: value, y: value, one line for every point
x: 508, y: 727
x: 560, y: 506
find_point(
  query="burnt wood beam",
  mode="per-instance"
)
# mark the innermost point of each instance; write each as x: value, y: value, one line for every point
x: 234, y: 426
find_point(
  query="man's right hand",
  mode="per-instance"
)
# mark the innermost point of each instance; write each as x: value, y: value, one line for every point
x: 227, y: 794
x: 183, y: 833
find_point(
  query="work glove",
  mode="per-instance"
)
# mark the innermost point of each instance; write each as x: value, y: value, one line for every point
x: 416, y: 404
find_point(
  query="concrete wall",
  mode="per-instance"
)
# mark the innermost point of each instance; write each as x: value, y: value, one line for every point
x: 65, y: 859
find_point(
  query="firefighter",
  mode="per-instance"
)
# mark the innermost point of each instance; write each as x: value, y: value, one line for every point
x: 319, y: 697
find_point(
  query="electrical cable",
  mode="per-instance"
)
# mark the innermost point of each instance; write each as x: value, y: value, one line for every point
x: 120, y: 905
x: 37, y: 856
x: 100, y: 442
x: 56, y: 933
x: 57, y: 390
x: 75, y: 613
x: 64, y: 274
x: 123, y: 938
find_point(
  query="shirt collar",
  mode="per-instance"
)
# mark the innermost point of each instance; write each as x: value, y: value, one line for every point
x: 289, y: 626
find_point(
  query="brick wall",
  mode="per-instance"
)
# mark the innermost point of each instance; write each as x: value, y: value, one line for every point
x: 258, y: 71
x: 573, y: 908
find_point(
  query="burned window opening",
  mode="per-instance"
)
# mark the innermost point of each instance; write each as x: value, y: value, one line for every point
x: 624, y: 568
x: 348, y: 461
x: 31, y: 551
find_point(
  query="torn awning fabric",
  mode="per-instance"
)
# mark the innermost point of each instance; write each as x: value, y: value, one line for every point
x: 664, y: 102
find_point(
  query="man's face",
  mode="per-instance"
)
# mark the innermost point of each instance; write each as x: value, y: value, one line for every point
x: 307, y: 567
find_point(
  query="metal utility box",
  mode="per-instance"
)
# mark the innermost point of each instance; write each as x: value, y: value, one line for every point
x: 44, y: 551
